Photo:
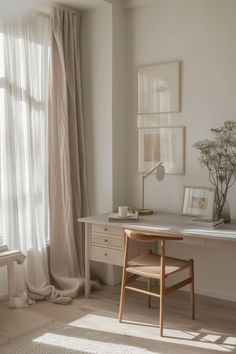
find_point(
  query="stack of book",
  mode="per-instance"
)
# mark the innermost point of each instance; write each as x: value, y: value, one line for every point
x: 207, y: 222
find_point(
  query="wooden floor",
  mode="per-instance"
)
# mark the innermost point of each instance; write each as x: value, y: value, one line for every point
x: 213, y: 331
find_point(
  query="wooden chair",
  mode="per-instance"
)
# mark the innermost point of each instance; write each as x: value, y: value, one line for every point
x: 154, y: 266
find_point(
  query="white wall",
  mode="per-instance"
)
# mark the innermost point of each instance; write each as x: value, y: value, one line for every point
x: 119, y: 105
x: 96, y: 68
x: 97, y: 84
x: 103, y: 49
x: 201, y: 34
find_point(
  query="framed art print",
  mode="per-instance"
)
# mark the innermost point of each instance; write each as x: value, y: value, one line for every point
x: 159, y: 88
x: 199, y: 201
x: 165, y: 144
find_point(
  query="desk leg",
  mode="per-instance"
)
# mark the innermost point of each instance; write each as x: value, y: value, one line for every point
x: 11, y: 281
x: 87, y: 259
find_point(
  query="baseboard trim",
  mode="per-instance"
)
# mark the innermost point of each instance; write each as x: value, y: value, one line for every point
x: 217, y: 295
x: 214, y: 294
x: 210, y: 293
x: 3, y: 296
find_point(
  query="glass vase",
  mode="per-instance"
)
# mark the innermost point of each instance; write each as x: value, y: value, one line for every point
x: 225, y: 212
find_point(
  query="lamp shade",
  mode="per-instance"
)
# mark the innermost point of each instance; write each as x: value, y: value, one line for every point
x: 160, y: 173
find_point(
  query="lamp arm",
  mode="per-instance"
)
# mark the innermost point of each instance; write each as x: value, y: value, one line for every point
x: 153, y: 168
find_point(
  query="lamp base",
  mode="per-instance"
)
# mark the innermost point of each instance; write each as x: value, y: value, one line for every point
x: 145, y: 211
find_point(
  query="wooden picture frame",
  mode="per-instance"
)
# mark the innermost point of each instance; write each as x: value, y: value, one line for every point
x: 165, y: 143
x: 159, y: 88
x: 199, y: 201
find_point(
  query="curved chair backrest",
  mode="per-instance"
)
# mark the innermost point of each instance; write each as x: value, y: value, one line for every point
x: 150, y: 237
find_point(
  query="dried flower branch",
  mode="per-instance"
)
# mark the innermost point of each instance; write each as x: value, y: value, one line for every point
x: 219, y: 156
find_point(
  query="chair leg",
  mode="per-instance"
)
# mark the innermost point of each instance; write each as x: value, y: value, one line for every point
x: 162, y: 287
x: 161, y: 311
x: 149, y: 288
x: 192, y: 296
x: 122, y: 296
x: 123, y: 284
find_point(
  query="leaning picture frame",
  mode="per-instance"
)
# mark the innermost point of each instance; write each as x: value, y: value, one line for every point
x: 166, y: 144
x: 199, y: 201
x: 159, y: 88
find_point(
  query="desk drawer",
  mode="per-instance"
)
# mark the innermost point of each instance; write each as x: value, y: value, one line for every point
x: 109, y: 230
x: 113, y: 241
x: 106, y: 255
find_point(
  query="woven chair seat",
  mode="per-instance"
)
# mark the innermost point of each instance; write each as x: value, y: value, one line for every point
x: 149, y: 265
x: 154, y: 266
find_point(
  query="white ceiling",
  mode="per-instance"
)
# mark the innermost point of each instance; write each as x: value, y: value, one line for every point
x: 129, y: 4
x: 90, y: 4
x: 81, y: 4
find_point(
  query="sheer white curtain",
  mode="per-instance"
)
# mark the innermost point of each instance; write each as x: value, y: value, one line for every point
x: 25, y: 45
x: 37, y: 151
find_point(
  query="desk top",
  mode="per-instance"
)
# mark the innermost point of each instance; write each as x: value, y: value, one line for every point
x: 166, y: 223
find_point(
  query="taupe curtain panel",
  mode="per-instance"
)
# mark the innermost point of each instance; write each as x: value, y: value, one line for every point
x: 67, y: 171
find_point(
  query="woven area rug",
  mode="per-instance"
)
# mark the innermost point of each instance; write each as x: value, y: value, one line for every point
x: 58, y: 338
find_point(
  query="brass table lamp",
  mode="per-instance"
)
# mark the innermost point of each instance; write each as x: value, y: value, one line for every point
x: 160, y: 174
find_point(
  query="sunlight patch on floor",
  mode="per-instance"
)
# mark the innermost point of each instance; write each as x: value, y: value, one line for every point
x: 211, y: 338
x: 195, y: 339
x: 230, y: 340
x: 87, y: 345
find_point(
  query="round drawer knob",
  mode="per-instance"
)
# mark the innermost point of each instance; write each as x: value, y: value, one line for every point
x: 105, y: 229
x: 105, y: 240
x: 105, y: 254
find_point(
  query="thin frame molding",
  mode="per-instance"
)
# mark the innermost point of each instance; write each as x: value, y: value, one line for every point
x: 211, y: 189
x: 179, y: 86
x: 184, y: 146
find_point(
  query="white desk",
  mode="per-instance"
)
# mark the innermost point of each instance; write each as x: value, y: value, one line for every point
x: 104, y: 241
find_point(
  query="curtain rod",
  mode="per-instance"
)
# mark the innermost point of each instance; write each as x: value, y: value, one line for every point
x: 43, y: 14
x: 71, y: 10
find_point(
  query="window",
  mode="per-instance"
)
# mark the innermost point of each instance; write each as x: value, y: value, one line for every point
x: 1, y: 110
x: 24, y: 63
